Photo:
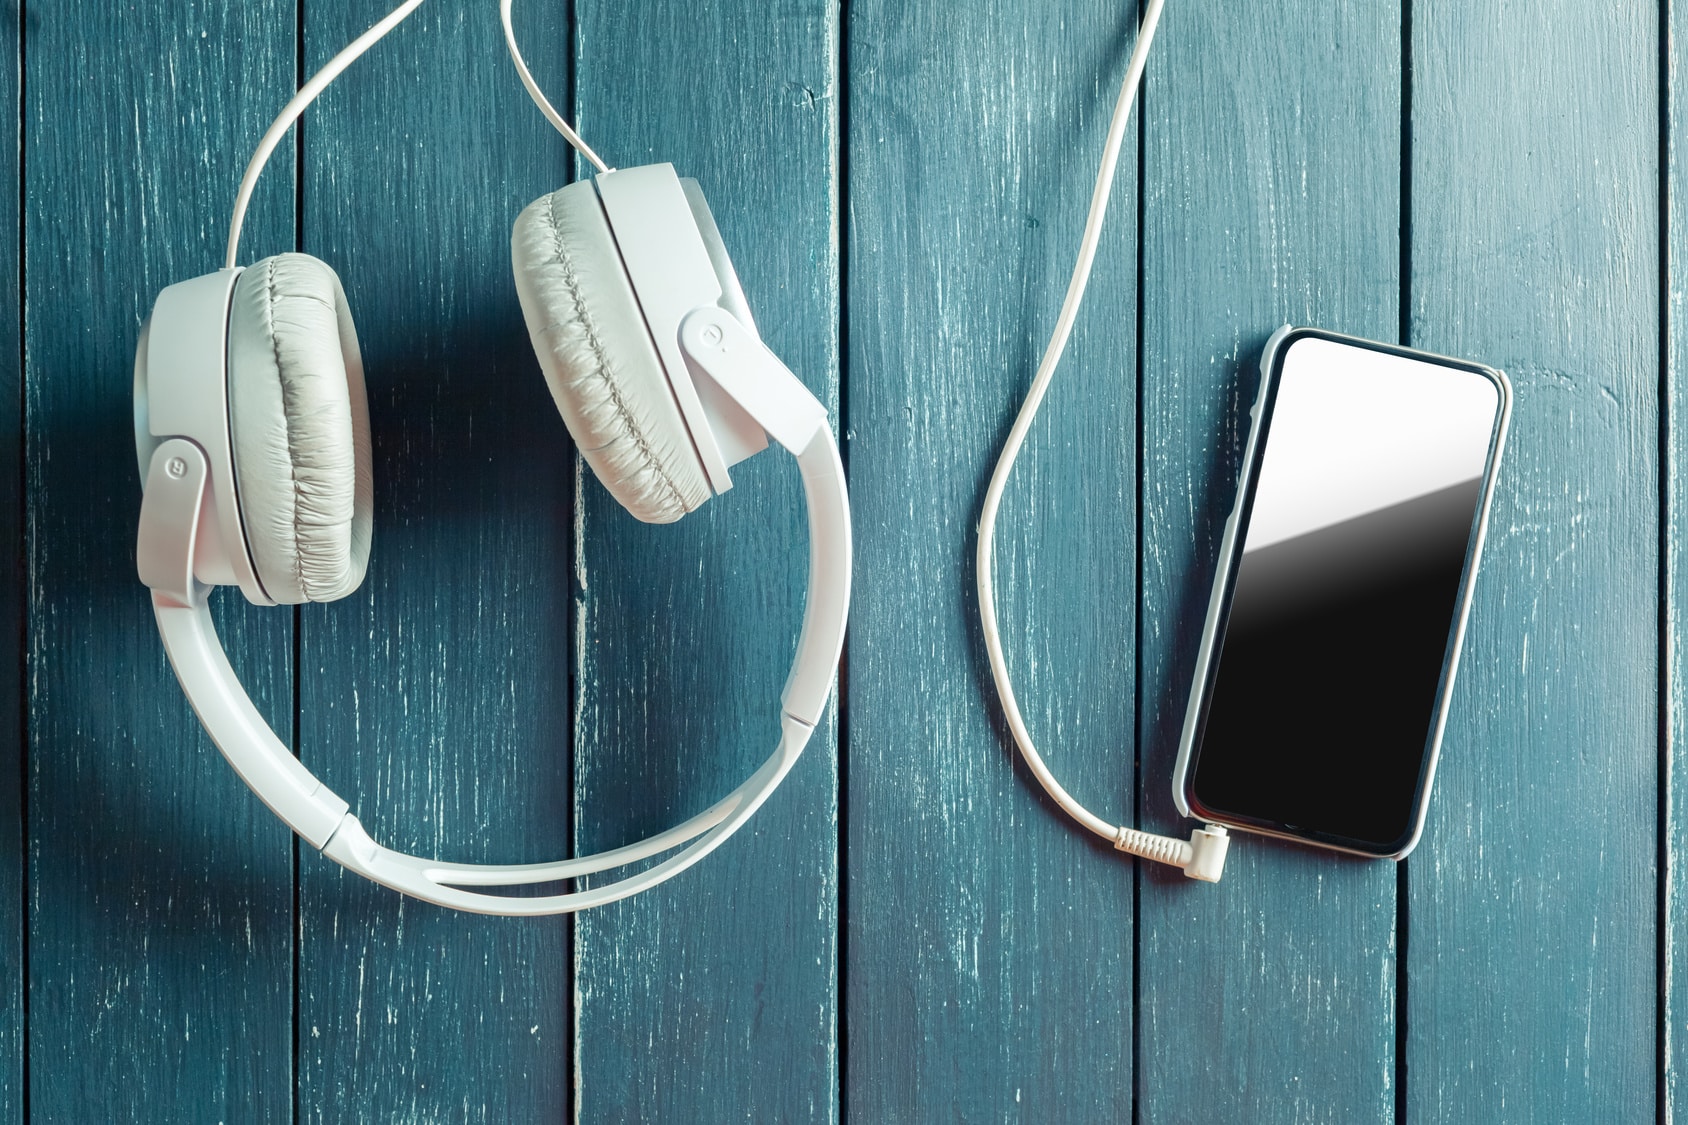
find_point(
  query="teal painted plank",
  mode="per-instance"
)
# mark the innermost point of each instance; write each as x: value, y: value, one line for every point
x: 1272, y: 178
x: 989, y: 975
x: 1532, y: 990
x: 435, y: 699
x: 713, y: 997
x: 160, y: 899
x: 1674, y: 410
x: 13, y: 923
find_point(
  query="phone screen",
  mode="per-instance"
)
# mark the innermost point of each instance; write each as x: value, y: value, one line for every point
x: 1322, y: 709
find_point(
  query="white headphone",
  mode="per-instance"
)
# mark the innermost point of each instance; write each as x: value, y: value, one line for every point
x: 253, y: 436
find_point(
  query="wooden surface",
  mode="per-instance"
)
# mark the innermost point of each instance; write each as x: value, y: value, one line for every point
x: 1673, y: 618
x: 716, y: 999
x: 908, y: 932
x: 1560, y: 714
x: 1297, y: 224
x: 159, y: 896
x: 12, y: 609
x: 439, y: 695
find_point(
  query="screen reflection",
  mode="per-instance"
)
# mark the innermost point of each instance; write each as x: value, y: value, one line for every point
x: 1321, y: 709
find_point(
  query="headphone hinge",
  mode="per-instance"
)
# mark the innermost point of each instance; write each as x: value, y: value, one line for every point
x: 171, y: 506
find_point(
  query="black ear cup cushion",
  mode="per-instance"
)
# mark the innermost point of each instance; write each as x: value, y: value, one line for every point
x: 299, y: 427
x: 597, y: 355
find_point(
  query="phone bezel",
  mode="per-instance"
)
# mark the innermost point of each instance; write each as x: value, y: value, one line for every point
x: 1219, y: 603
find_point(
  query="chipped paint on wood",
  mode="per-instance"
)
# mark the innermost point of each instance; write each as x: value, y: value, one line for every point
x: 527, y: 670
x: 989, y: 950
x: 714, y: 999
x: 458, y: 645
x: 160, y: 894
x: 13, y: 705
x: 1533, y: 912
x: 1273, y: 197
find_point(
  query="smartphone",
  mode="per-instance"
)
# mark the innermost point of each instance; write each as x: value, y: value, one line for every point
x: 1345, y: 574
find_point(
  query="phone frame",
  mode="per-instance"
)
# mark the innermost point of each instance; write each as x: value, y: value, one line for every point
x: 1230, y: 552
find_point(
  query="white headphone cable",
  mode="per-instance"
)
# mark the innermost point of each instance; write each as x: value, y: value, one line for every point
x: 538, y: 95
x: 319, y: 82
x: 291, y: 111
x: 1203, y: 856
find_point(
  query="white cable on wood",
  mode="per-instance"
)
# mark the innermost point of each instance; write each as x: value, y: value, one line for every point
x: 538, y: 95
x: 290, y: 113
x: 1163, y: 849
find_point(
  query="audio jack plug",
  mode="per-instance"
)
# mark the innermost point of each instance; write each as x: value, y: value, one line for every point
x: 1202, y: 856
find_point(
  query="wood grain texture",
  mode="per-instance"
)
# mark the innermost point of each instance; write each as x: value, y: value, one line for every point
x: 989, y: 970
x: 713, y: 997
x: 1673, y: 997
x: 1532, y: 992
x: 907, y: 932
x: 160, y: 891
x: 435, y: 699
x: 13, y: 920
x: 1272, y: 173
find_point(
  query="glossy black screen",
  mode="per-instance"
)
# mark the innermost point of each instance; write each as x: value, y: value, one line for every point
x: 1322, y: 704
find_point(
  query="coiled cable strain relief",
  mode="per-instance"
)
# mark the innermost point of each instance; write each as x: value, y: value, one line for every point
x: 1201, y: 857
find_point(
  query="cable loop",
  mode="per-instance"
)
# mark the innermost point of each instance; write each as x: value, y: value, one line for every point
x: 1028, y: 411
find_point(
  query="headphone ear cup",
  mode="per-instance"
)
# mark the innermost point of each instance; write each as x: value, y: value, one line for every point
x: 299, y: 428
x: 595, y: 350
